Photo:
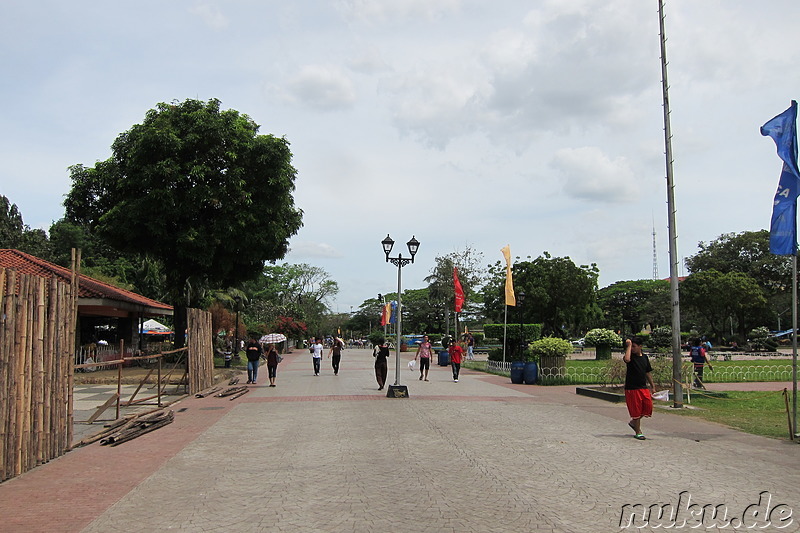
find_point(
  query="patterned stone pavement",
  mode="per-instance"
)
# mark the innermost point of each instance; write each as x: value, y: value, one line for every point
x: 332, y: 454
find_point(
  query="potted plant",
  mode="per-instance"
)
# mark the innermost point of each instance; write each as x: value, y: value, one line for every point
x: 552, y: 354
x: 602, y: 339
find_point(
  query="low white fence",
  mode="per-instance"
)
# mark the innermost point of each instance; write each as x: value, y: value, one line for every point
x: 730, y: 373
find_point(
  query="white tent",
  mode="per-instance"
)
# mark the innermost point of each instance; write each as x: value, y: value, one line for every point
x: 153, y: 325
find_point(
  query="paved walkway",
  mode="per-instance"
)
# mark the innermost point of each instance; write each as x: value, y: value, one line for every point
x: 333, y: 454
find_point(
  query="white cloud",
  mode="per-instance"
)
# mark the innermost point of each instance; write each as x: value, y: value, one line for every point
x: 310, y: 250
x: 321, y: 87
x: 379, y: 11
x: 211, y: 15
x: 589, y: 174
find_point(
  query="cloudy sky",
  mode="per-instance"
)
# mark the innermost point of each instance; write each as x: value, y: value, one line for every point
x: 466, y: 123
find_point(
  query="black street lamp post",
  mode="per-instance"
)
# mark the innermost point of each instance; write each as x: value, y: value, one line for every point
x: 397, y: 390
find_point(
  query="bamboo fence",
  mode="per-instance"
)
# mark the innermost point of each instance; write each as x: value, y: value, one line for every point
x: 200, y: 358
x: 37, y: 336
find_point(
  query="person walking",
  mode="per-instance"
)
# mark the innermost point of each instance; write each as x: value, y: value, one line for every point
x: 336, y: 352
x: 424, y: 354
x: 381, y: 354
x: 699, y: 357
x: 638, y: 385
x: 456, y: 353
x: 316, y: 354
x: 253, y: 351
x: 272, y: 363
x: 470, y: 347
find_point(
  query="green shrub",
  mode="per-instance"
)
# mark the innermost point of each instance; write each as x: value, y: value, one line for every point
x: 602, y: 337
x: 495, y: 354
x: 495, y: 331
x: 550, y: 346
x: 661, y: 337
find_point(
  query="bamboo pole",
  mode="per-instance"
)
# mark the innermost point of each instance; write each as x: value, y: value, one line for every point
x: 59, y: 397
x: 72, y: 337
x: 38, y: 362
x: 119, y: 373
x: 30, y: 309
x: 22, y: 363
x: 47, y: 422
x: 4, y: 387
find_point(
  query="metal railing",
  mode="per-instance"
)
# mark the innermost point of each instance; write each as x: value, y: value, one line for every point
x: 730, y: 373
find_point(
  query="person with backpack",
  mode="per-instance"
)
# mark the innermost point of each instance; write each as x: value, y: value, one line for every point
x: 336, y: 351
x: 699, y: 357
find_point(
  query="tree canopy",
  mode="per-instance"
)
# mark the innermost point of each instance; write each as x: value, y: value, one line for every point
x: 746, y: 252
x: 196, y: 188
x: 558, y: 294
x: 719, y: 297
x: 631, y: 305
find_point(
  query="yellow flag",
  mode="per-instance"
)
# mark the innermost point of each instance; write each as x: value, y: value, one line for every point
x: 510, y: 298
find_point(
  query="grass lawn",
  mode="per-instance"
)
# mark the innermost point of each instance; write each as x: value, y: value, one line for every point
x: 759, y: 413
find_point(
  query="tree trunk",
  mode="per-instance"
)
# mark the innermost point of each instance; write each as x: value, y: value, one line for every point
x: 180, y: 326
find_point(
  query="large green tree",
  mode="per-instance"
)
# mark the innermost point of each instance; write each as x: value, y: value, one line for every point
x: 441, y: 287
x: 722, y: 297
x: 300, y: 291
x: 197, y: 188
x: 631, y: 305
x: 14, y: 233
x: 746, y: 252
x: 559, y: 294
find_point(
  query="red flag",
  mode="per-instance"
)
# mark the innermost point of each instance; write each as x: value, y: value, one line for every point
x: 459, y: 291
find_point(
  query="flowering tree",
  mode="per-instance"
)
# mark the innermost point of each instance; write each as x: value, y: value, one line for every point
x: 293, y: 329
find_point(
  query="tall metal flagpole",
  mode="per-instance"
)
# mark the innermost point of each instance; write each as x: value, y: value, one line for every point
x: 794, y: 342
x: 505, y: 325
x: 673, y: 238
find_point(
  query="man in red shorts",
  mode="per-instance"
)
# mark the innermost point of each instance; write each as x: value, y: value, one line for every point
x: 638, y: 384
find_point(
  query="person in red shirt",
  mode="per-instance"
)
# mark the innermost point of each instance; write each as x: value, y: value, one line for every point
x: 456, y: 353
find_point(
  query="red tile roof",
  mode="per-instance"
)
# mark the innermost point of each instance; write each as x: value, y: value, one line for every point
x: 88, y: 287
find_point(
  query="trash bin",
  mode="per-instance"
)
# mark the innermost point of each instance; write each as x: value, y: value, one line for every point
x: 444, y: 358
x: 517, y: 371
x: 530, y: 373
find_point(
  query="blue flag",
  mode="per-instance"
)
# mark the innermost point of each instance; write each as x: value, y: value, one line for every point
x: 393, y: 317
x: 783, y: 228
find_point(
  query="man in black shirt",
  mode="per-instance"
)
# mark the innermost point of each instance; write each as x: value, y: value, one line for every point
x: 253, y: 352
x: 638, y: 384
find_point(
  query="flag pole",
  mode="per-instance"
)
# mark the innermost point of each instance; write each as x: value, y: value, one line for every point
x: 794, y: 343
x: 677, y: 395
x: 505, y: 325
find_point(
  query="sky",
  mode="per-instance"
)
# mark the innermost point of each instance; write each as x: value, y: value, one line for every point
x: 465, y: 123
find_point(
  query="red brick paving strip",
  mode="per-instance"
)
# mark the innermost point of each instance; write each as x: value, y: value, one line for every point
x: 85, y: 482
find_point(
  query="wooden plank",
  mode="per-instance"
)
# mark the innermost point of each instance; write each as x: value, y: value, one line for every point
x: 113, y: 399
